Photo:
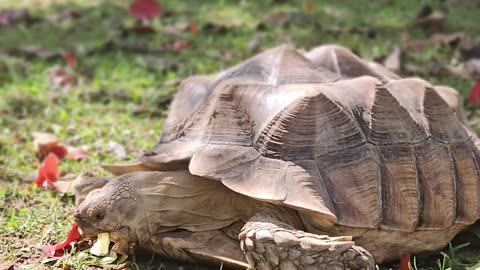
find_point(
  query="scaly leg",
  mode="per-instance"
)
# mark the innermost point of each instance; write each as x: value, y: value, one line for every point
x: 271, y: 244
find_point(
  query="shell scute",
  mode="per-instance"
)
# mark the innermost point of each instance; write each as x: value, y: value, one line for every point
x: 336, y: 138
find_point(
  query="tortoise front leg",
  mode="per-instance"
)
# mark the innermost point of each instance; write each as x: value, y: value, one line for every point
x: 271, y: 244
x: 207, y: 247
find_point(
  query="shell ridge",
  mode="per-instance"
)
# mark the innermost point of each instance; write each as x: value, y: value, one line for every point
x: 387, y: 131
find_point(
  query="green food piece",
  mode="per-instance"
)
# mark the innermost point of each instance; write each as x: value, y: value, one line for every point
x: 100, y: 248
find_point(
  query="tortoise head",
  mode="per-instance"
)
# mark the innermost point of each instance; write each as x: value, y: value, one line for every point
x: 109, y: 209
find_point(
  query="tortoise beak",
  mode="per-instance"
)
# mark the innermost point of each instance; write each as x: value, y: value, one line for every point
x: 76, y: 214
x: 88, y: 230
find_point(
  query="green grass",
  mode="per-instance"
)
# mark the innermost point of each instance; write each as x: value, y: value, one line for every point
x: 114, y: 85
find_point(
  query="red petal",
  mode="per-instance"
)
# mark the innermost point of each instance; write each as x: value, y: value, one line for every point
x: 60, y: 151
x: 193, y: 28
x: 70, y: 59
x: 308, y: 7
x: 40, y: 178
x: 404, y: 261
x: 59, y: 77
x: 145, y: 9
x: 474, y: 97
x: 57, y: 250
x: 48, y: 172
x: 180, y: 45
x: 50, y: 168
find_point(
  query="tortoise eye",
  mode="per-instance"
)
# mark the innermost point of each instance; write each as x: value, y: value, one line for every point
x: 98, y: 216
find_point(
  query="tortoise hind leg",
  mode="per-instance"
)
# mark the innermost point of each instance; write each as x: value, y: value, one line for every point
x: 271, y: 244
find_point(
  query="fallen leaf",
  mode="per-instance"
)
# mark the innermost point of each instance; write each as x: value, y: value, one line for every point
x: 12, y: 16
x: 75, y: 153
x: 417, y: 45
x: 57, y: 250
x: 117, y: 149
x: 448, y: 70
x: 60, y: 78
x: 404, y: 262
x: 100, y: 248
x: 474, y: 96
x: 60, y: 151
x: 278, y: 18
x: 176, y: 29
x: 193, y: 27
x: 226, y: 18
x: 393, y: 60
x: 430, y: 19
x: 145, y: 9
x: 48, y: 172
x: 180, y: 45
x: 64, y: 187
x: 433, y: 22
x: 46, y: 143
x: 452, y: 39
x: 469, y: 48
x: 472, y: 66
x: 64, y: 15
x: 70, y: 59
x: 308, y: 7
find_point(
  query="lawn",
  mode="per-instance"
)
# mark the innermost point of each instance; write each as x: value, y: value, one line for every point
x: 118, y: 89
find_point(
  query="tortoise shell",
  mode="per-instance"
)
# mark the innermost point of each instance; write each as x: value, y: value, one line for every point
x: 330, y: 135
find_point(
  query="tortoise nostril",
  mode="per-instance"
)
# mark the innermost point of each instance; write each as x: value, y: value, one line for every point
x: 76, y: 214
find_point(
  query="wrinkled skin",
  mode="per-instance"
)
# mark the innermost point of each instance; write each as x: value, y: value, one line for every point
x: 110, y: 209
x: 189, y: 218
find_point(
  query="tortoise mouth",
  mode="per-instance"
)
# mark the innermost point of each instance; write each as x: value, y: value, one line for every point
x: 120, y: 237
x: 88, y: 230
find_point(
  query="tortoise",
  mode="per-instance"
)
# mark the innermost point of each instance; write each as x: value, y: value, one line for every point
x: 296, y: 160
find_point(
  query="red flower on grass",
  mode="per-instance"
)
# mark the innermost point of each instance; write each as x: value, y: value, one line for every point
x: 70, y: 60
x: 60, y: 151
x: 474, y: 97
x: 193, y: 28
x: 48, y: 172
x: 404, y: 261
x: 145, y: 9
x: 57, y: 250
x: 308, y: 7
